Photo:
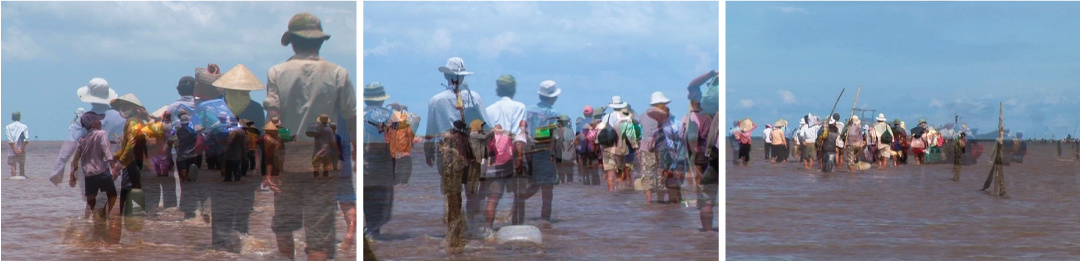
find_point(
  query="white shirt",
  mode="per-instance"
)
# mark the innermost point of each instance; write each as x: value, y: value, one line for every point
x: 506, y: 112
x: 809, y: 133
x: 17, y: 133
x: 768, y: 135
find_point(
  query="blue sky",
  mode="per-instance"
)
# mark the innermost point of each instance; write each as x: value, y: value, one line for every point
x: 913, y: 60
x: 593, y: 50
x: 50, y: 49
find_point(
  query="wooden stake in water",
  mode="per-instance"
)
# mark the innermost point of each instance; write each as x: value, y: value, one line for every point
x: 997, y: 173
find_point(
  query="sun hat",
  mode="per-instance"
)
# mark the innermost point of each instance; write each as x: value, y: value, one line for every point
x: 658, y: 97
x: 239, y: 78
x: 588, y: 110
x: 323, y: 118
x: 881, y: 117
x: 855, y: 119
x: 374, y: 91
x: 549, y: 89
x: 564, y: 118
x: 476, y: 125
x: 896, y: 121
x: 455, y: 66
x: 304, y: 25
x: 505, y: 84
x: 921, y: 121
x: 746, y: 125
x: 204, y: 82
x: 617, y: 103
x: 780, y: 123
x: 127, y: 98
x: 160, y: 112
x: 97, y: 91
x: 802, y: 121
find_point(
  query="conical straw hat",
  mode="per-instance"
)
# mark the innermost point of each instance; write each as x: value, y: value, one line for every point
x: 160, y: 112
x: 746, y: 125
x: 128, y: 98
x: 239, y: 78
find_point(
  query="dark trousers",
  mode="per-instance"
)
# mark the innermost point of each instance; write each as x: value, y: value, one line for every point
x: 213, y: 162
x: 378, y: 206
x: 232, y: 205
x: 233, y: 169
x: 402, y: 170
x: 248, y: 163
x: 744, y: 152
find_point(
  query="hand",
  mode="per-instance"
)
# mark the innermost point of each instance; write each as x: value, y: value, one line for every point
x: 72, y: 180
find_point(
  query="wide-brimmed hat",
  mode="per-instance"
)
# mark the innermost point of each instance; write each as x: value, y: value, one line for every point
x: 881, y: 117
x: 455, y: 66
x: 239, y: 78
x: 97, y: 91
x: 204, y: 82
x: 658, y: 97
x: 128, y: 99
x: 617, y: 103
x: 323, y: 118
x: 780, y: 123
x: 896, y: 121
x: 549, y: 89
x: 564, y: 118
x: 375, y: 92
x: 746, y: 125
x: 855, y: 119
x: 304, y: 25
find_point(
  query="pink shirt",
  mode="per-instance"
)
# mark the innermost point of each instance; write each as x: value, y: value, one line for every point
x: 94, y: 153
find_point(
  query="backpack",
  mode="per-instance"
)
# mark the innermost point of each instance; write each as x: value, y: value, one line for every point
x: 607, y: 136
x: 887, y: 137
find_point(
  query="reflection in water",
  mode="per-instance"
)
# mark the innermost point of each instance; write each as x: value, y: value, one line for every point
x: 588, y: 223
x: 780, y: 211
x: 44, y: 222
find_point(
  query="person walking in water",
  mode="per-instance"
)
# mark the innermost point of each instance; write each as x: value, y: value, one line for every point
x: 297, y: 91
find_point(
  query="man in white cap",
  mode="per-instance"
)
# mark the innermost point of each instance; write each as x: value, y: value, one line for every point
x: 544, y: 171
x: 98, y: 94
x: 456, y: 104
x: 298, y: 91
x: 882, y: 137
x: 378, y: 161
x: 656, y: 117
x: 614, y: 156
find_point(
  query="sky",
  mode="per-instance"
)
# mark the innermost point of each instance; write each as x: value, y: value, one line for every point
x: 914, y: 60
x: 592, y: 50
x: 50, y: 49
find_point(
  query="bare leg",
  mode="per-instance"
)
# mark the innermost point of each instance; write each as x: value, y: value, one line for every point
x: 348, y: 210
x: 489, y: 210
x: 706, y: 217
x: 285, y: 244
x: 545, y: 207
x: 610, y: 174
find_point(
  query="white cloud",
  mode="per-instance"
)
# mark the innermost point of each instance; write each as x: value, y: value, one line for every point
x: 490, y: 48
x: 787, y: 96
x: 746, y: 103
x: 936, y: 103
x: 791, y: 9
x: 19, y: 46
x: 440, y: 41
x: 383, y: 48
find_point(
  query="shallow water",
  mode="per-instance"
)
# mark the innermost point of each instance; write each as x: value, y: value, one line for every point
x: 44, y: 222
x: 781, y: 211
x: 588, y: 223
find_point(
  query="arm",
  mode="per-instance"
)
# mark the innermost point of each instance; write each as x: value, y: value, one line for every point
x: 272, y: 103
x: 127, y: 145
x: 694, y: 87
x: 432, y: 133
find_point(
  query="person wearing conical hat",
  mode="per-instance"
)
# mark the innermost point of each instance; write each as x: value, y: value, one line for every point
x: 298, y: 91
x: 742, y: 137
x: 238, y: 83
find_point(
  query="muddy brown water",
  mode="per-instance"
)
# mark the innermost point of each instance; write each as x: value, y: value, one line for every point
x: 44, y: 222
x: 588, y: 223
x: 783, y: 212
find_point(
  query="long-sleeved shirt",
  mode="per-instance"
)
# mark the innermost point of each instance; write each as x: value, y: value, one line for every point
x: 93, y: 153
x: 305, y: 86
x: 17, y: 133
x: 132, y: 145
x: 175, y: 107
x: 442, y: 114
